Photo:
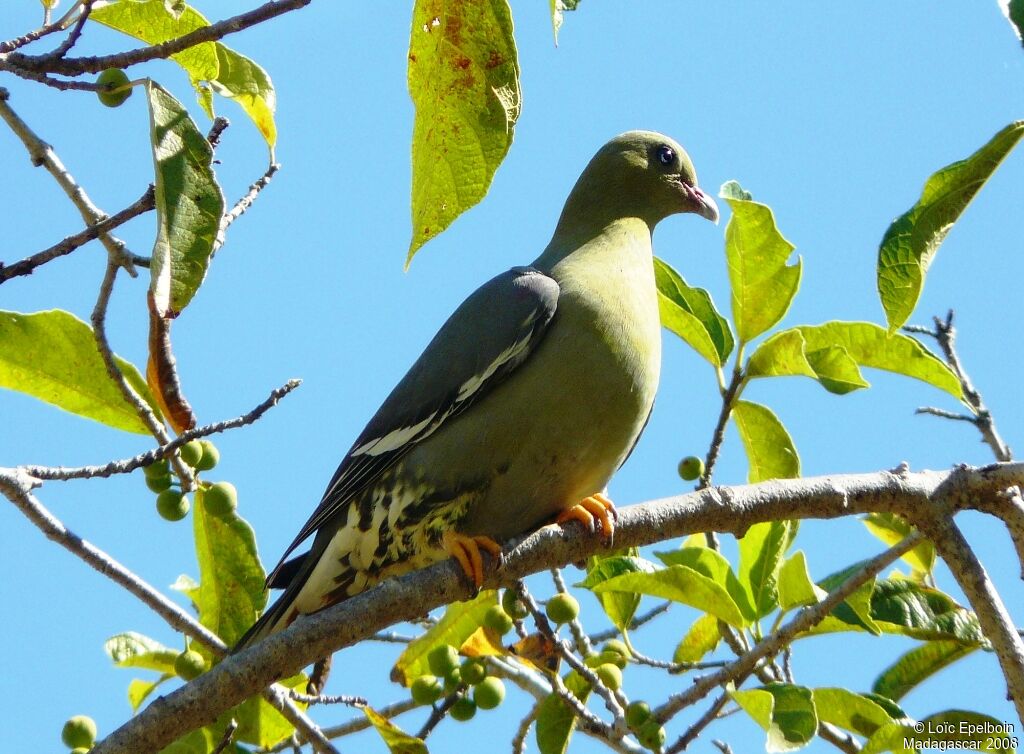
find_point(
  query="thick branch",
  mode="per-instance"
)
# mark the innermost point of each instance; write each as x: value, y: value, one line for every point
x: 996, y: 623
x: 726, y: 509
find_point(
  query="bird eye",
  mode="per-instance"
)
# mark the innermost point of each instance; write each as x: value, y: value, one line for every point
x: 666, y: 155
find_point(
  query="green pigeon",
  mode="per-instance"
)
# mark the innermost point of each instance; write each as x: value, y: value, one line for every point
x: 521, y: 408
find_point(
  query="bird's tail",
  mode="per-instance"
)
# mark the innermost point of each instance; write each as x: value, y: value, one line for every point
x: 279, y: 615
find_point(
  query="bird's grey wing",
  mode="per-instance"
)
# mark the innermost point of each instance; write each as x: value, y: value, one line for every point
x: 492, y: 333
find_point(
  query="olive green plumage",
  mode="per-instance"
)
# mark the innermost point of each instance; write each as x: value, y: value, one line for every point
x: 527, y: 400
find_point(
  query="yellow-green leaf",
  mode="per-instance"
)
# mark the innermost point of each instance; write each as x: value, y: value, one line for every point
x: 134, y: 650
x: 892, y: 529
x: 680, y: 584
x: 556, y: 721
x: 457, y: 624
x: 786, y: 353
x: 189, y: 203
x: 397, y: 740
x: 153, y: 22
x: 619, y: 606
x: 464, y: 83
x: 909, y: 245
x: 691, y: 314
x: 795, y: 586
x: 853, y: 712
x: 786, y: 712
x: 712, y: 564
x: 763, y: 285
x: 139, y: 690
x: 52, y: 356
x: 701, y: 639
x: 761, y: 551
x: 869, y: 345
x: 943, y: 727
x: 770, y: 450
x: 231, y: 591
x: 244, y: 81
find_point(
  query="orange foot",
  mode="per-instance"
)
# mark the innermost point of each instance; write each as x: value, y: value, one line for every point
x: 466, y: 550
x: 597, y: 508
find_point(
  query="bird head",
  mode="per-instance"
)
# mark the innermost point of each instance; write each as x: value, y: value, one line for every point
x: 640, y: 174
x: 650, y: 175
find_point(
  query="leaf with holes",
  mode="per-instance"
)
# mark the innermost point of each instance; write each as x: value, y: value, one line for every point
x: 464, y: 83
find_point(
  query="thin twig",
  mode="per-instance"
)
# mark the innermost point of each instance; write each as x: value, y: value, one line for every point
x: 277, y: 696
x: 634, y: 624
x: 438, y: 713
x: 75, y: 34
x: 519, y: 739
x: 225, y: 740
x: 28, y: 265
x: 16, y: 486
x: 127, y: 465
x: 243, y: 204
x: 211, y: 33
x: 945, y: 335
x: 618, y: 728
x: 691, y: 733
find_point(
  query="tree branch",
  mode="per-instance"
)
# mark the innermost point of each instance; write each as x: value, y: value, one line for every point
x: 996, y: 623
x: 74, y: 66
x: 725, y: 509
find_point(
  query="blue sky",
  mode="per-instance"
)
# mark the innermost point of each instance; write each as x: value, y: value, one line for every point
x: 832, y: 116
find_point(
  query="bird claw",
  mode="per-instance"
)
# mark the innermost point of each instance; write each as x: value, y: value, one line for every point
x: 593, y: 510
x: 466, y: 551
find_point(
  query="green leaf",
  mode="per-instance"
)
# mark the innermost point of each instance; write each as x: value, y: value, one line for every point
x: 52, y: 356
x: 786, y: 353
x: 189, y: 203
x: 712, y: 564
x: 770, y: 450
x: 794, y: 583
x: 139, y: 690
x: 464, y: 83
x: 558, y: 7
x: 786, y: 712
x: 869, y: 345
x: 397, y: 740
x: 691, y: 314
x: 909, y: 245
x: 917, y: 665
x: 904, y: 607
x: 231, y: 592
x: 457, y: 624
x: 620, y: 606
x: 259, y: 723
x: 763, y: 285
x: 245, y: 82
x: 892, y: 529
x: 556, y: 721
x: 959, y: 726
x: 133, y: 650
x: 701, y: 639
x: 200, y: 741
x: 679, y: 584
x: 853, y: 712
x: 761, y: 551
x: 153, y: 22
x: 922, y: 612
x: 1014, y: 12
x: 854, y: 613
